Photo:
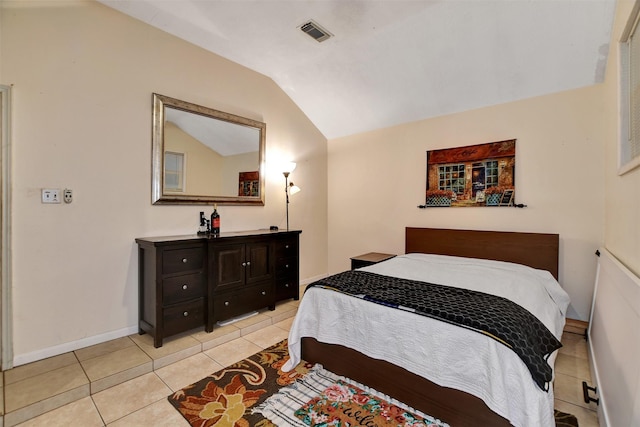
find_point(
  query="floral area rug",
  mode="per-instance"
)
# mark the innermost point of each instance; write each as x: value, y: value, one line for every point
x: 322, y: 398
x: 227, y: 397
x: 255, y: 392
x: 343, y: 403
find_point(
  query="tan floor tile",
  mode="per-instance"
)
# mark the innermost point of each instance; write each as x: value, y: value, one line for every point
x: 104, y: 348
x: 252, y: 321
x: 115, y: 362
x: 173, y: 349
x: 217, y: 331
x: 574, y: 345
x: 36, y: 409
x: 188, y: 371
x: 80, y: 413
x: 256, y: 326
x: 40, y: 367
x: 586, y: 417
x: 37, y: 388
x: 170, y: 346
x: 121, y: 400
x: 267, y: 337
x: 120, y: 377
x: 158, y: 414
x: 282, y: 307
x: 219, y: 335
x: 569, y: 389
x: 233, y: 351
x: 285, y: 324
x: 284, y: 316
x: 573, y: 366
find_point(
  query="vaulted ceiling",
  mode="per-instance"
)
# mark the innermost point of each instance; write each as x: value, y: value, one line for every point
x: 396, y: 61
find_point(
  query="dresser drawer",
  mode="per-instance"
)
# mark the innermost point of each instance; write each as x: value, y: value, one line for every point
x: 257, y: 296
x: 183, y: 288
x: 286, y: 248
x: 286, y: 266
x: 287, y: 287
x: 183, y: 259
x: 182, y: 317
x: 245, y: 300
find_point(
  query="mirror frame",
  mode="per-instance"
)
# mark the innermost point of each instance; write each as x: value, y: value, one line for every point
x: 158, y: 196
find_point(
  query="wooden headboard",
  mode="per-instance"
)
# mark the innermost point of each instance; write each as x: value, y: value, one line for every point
x: 537, y: 250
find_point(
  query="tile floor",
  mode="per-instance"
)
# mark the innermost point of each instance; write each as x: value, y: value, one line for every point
x: 100, y: 385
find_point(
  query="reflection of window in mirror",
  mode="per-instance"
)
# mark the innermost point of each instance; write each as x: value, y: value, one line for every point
x: 174, y: 171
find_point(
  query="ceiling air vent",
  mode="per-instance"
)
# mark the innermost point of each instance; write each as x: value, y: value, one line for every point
x: 316, y: 31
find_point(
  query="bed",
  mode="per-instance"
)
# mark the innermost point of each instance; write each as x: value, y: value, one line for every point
x: 485, y: 383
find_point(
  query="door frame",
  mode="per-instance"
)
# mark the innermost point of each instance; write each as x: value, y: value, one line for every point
x: 6, y: 327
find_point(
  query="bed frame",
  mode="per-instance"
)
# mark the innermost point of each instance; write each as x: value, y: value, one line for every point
x: 452, y: 406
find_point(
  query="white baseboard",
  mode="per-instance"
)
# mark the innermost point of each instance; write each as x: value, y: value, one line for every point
x: 312, y: 279
x: 22, y: 359
x: 34, y: 356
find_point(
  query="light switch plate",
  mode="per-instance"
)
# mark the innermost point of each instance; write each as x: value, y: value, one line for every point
x: 51, y: 195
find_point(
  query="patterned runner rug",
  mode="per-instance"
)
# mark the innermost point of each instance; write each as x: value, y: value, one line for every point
x: 255, y: 392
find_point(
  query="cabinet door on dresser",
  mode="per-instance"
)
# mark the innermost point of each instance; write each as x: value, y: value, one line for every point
x: 227, y: 266
x: 234, y: 265
x: 259, y: 257
x: 287, y: 268
x: 172, y: 287
x: 241, y: 272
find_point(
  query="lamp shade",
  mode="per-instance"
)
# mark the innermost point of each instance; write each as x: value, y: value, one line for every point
x: 288, y: 167
x: 293, y: 189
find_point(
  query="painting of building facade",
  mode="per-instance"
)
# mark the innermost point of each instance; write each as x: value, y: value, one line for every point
x: 475, y: 175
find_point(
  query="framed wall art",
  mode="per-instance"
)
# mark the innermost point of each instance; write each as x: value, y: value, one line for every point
x: 474, y: 175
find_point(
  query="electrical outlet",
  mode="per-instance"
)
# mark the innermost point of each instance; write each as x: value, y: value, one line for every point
x: 50, y: 195
x: 68, y: 195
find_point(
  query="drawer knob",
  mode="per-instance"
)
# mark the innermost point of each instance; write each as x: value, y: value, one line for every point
x: 286, y: 266
x: 286, y: 246
x: 264, y: 292
x: 286, y: 285
x: 244, y: 264
x: 184, y: 260
x: 185, y: 314
x: 184, y: 286
x: 226, y: 303
x: 248, y: 262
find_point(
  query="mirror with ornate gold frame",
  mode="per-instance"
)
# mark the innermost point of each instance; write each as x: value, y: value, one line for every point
x: 205, y: 156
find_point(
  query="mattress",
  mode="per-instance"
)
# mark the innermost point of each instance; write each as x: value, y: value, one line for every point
x: 445, y: 354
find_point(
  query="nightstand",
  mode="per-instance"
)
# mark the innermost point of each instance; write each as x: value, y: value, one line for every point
x: 369, y: 259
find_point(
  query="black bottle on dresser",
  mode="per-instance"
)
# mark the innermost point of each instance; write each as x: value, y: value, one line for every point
x: 203, y: 224
x: 215, y: 221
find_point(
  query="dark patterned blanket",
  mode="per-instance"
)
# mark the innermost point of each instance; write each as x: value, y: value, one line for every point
x: 497, y: 317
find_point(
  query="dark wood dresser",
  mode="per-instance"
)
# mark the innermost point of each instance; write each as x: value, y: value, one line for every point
x: 186, y: 282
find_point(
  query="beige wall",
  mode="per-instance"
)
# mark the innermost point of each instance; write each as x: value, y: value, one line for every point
x: 622, y: 192
x: 203, y: 166
x: 83, y: 77
x: 377, y: 180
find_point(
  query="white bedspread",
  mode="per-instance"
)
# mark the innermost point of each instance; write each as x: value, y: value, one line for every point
x: 445, y: 354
